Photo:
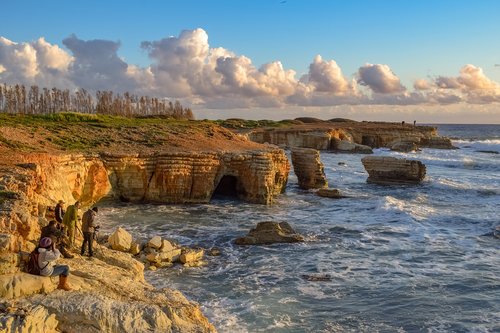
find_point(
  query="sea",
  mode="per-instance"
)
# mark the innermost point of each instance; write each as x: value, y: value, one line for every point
x: 398, y: 258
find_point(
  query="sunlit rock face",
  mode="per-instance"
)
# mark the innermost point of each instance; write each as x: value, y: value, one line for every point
x: 308, y: 168
x: 254, y: 176
x: 40, y: 180
x: 391, y: 170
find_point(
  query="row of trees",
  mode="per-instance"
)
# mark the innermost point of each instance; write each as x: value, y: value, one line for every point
x: 18, y: 99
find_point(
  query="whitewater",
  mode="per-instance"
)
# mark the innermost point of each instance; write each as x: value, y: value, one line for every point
x: 406, y: 258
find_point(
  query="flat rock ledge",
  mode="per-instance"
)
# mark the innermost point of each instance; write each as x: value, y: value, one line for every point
x: 391, y: 170
x: 269, y: 233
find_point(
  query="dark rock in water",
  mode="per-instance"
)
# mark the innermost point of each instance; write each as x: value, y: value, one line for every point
x: 317, y: 277
x: 488, y: 151
x: 214, y: 252
x: 496, y: 232
x: 269, y: 233
x: 404, y: 146
x: 332, y: 193
x: 341, y: 163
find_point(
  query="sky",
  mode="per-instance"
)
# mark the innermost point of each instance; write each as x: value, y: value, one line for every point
x: 430, y: 61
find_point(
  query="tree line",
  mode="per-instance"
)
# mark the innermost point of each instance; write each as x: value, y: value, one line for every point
x: 17, y: 99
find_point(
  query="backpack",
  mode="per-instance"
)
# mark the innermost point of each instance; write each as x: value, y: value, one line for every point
x: 32, y: 265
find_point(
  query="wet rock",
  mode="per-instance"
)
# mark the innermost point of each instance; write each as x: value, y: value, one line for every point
x: 269, y: 233
x: 317, y: 277
x: 214, y: 252
x: 191, y: 256
x: 332, y: 193
x: 391, y: 170
x: 404, y: 146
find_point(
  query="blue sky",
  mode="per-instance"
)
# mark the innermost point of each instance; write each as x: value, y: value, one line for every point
x: 416, y: 39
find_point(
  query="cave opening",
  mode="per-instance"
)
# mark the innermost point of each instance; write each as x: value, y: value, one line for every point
x: 227, y: 188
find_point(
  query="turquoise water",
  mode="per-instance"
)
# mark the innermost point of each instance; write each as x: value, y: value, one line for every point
x: 401, y: 258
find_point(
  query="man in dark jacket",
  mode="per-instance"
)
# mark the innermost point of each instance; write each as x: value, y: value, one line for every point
x: 59, y: 211
x: 88, y: 227
x: 57, y: 235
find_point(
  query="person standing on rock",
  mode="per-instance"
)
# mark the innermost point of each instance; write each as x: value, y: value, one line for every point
x: 59, y: 211
x: 89, y: 227
x: 48, y: 254
x: 70, y: 219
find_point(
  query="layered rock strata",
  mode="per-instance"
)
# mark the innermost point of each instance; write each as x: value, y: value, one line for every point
x: 391, y: 170
x: 308, y: 168
x: 345, y: 137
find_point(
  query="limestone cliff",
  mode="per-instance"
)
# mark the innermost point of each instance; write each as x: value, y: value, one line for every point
x: 326, y: 135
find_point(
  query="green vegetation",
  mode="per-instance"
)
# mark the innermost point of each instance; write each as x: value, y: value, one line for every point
x: 237, y: 123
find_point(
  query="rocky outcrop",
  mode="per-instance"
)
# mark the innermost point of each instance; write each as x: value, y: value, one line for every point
x: 109, y: 295
x: 256, y: 176
x: 308, y: 168
x: 331, y: 193
x: 328, y: 136
x: 270, y: 233
x: 390, y: 170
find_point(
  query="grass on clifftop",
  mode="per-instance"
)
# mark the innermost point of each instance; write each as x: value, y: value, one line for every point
x: 97, y: 133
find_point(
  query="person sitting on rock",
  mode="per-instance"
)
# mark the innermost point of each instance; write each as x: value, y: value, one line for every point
x: 48, y: 255
x: 89, y: 227
x: 59, y: 211
x: 57, y: 235
x: 70, y: 220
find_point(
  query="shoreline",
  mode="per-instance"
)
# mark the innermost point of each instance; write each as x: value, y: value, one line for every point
x: 32, y: 178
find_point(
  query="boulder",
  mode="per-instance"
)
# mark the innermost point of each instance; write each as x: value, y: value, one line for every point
x: 308, y: 168
x: 120, y: 240
x: 166, y: 246
x: 269, y: 233
x: 191, y: 256
x: 391, y: 170
x: 330, y: 193
x: 214, y: 252
x: 135, y: 248
x: 155, y: 242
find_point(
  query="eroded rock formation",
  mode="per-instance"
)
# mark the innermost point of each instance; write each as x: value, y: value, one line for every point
x: 339, y: 136
x: 308, y: 168
x: 391, y: 170
x: 269, y: 233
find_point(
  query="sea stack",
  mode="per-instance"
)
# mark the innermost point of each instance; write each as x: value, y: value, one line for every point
x: 391, y: 170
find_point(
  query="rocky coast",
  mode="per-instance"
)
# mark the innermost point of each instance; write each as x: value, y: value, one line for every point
x: 148, y: 161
